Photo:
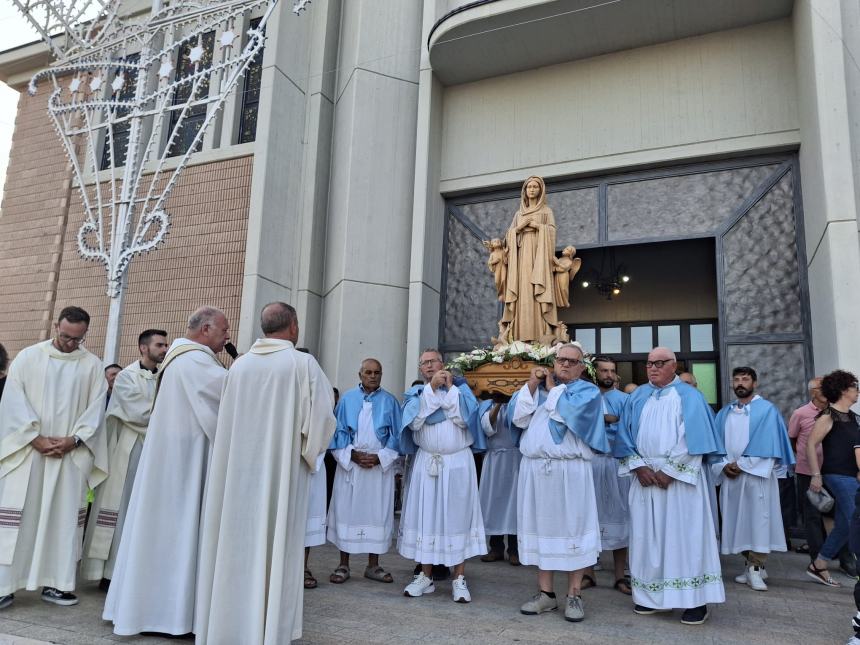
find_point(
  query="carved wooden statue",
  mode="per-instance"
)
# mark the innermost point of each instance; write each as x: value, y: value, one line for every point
x: 527, y: 272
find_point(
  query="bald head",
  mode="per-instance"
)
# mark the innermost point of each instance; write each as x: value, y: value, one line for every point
x: 279, y: 320
x: 689, y: 378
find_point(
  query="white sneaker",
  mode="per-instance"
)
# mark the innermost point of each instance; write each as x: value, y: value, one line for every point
x: 742, y: 578
x: 419, y: 586
x: 460, y: 590
x: 755, y: 580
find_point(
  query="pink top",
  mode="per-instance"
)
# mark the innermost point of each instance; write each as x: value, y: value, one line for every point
x: 800, y: 427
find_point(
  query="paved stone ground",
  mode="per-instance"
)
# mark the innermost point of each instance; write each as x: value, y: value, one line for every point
x: 795, y: 610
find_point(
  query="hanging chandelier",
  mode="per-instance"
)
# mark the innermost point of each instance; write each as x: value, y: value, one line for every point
x: 610, y: 280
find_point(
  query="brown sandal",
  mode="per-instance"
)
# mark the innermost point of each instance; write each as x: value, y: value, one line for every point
x: 623, y: 585
x: 310, y: 581
x: 587, y: 582
x: 821, y: 576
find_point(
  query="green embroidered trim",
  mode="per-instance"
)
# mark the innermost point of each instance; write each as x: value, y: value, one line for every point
x: 681, y: 468
x: 696, y: 582
x: 626, y: 460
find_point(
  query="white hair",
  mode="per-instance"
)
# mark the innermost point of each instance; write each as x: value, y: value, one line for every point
x: 665, y: 350
x: 204, y: 315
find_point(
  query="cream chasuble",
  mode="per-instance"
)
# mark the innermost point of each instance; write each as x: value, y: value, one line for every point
x: 126, y: 419
x: 154, y: 578
x: 276, y: 418
x: 43, y: 499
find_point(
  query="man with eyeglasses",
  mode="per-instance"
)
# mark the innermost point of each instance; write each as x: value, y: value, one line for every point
x: 441, y: 521
x: 558, y: 529
x: 666, y: 440
x: 52, y: 448
x: 126, y: 422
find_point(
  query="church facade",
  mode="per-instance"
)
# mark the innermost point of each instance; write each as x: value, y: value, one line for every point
x: 709, y: 153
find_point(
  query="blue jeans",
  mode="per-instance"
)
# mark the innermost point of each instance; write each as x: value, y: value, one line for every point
x: 843, y: 488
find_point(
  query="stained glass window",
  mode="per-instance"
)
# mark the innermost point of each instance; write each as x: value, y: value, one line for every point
x: 251, y: 95
x: 121, y: 129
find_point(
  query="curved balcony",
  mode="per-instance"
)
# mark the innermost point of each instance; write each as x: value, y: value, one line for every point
x: 484, y: 38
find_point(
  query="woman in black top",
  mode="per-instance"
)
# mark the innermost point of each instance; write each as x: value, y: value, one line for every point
x: 838, y: 431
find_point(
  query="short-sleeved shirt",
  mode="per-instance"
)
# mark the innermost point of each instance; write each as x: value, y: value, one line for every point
x: 799, y: 428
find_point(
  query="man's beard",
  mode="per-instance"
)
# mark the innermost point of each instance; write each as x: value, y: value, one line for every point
x: 741, y: 392
x: 607, y: 383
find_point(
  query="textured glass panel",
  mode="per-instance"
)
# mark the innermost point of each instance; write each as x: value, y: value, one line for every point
x: 196, y: 114
x: 471, y: 306
x: 587, y: 338
x: 762, y: 278
x: 251, y: 94
x: 493, y: 218
x: 669, y: 336
x: 702, y: 338
x: 575, y: 216
x: 706, y: 379
x: 780, y: 368
x: 640, y: 340
x: 121, y: 130
x: 610, y: 340
x: 678, y: 206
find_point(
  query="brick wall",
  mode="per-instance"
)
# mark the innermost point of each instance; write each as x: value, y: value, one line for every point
x: 200, y: 262
x: 32, y: 225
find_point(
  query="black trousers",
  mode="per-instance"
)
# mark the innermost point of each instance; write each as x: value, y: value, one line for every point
x: 497, y: 544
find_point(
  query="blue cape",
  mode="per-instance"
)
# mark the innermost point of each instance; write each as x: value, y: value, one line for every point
x: 503, y: 418
x: 768, y: 434
x: 412, y: 405
x: 701, y: 433
x: 581, y: 408
x: 615, y: 401
x: 385, y: 410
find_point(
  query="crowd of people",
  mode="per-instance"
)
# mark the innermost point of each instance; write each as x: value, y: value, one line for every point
x: 210, y: 480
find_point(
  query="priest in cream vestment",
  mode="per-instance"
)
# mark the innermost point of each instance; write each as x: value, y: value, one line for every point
x: 275, y: 420
x: 126, y: 419
x: 51, y: 447
x: 153, y: 584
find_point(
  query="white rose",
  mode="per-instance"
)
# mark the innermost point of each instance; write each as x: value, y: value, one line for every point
x: 498, y: 359
x: 518, y: 347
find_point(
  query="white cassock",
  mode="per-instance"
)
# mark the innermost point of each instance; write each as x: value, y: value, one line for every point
x: 43, y: 500
x: 275, y: 421
x: 316, y: 523
x: 441, y: 519
x: 674, y: 561
x: 557, y: 528
x: 752, y: 519
x: 126, y: 419
x: 154, y: 579
x: 361, y: 517
x: 499, y: 476
x: 612, y: 491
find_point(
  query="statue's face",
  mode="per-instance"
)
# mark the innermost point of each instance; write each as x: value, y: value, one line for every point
x: 532, y: 189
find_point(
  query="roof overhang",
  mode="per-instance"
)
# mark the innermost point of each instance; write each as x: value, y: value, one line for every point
x: 486, y: 38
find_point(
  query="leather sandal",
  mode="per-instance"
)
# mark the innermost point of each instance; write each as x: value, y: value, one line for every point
x: 821, y: 576
x: 310, y: 581
x: 340, y: 575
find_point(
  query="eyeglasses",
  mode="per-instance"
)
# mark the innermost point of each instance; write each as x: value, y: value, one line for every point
x: 65, y: 338
x: 428, y: 362
x: 567, y: 361
x: 658, y: 364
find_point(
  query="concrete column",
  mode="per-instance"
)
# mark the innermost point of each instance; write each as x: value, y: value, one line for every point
x: 428, y: 214
x: 825, y: 32
x: 365, y: 297
x: 276, y: 186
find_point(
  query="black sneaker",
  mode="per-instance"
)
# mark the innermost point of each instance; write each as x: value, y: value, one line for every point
x: 645, y: 611
x: 7, y: 600
x: 441, y: 572
x: 64, y: 598
x: 695, y: 616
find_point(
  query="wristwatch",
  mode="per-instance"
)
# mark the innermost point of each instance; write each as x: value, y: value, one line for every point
x: 78, y: 440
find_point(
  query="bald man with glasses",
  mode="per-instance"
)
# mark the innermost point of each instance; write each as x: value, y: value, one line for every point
x: 666, y: 439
